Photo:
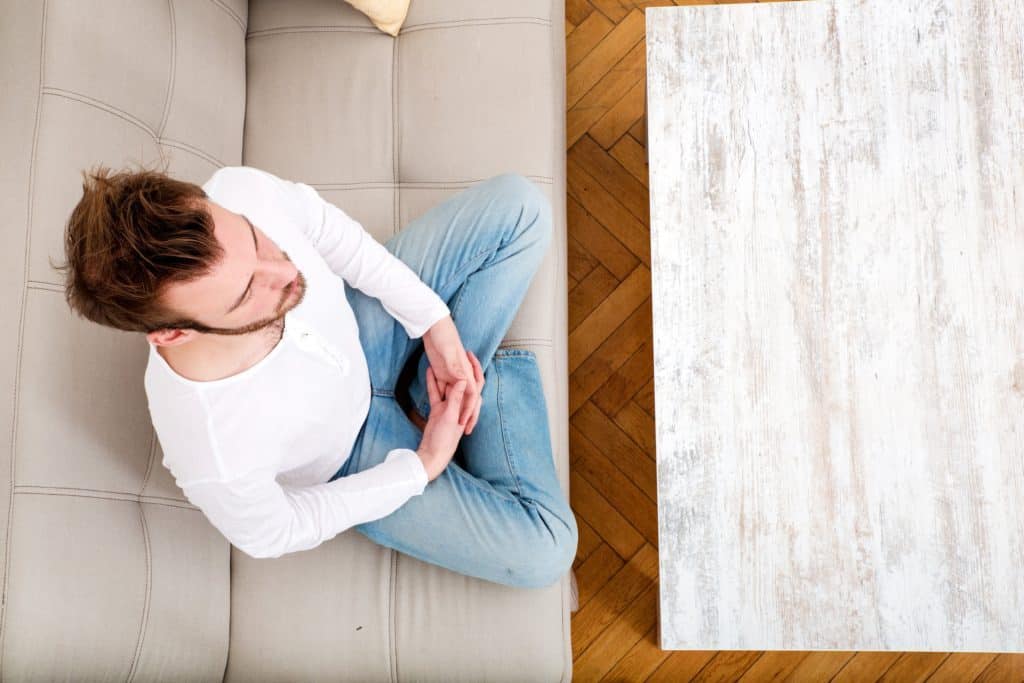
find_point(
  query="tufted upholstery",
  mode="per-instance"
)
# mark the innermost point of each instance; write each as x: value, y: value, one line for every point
x: 108, y: 572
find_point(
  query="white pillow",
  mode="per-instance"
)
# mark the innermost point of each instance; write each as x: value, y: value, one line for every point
x: 387, y: 15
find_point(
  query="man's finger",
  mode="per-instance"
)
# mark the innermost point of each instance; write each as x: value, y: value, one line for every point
x: 478, y: 371
x: 467, y: 411
x: 455, y: 399
x: 458, y: 390
x: 467, y: 406
x: 432, y: 390
x: 471, y: 425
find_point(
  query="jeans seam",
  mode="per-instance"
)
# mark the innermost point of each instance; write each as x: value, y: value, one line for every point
x: 504, y: 437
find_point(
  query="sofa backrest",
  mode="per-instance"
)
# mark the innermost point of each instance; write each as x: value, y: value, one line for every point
x: 104, y: 561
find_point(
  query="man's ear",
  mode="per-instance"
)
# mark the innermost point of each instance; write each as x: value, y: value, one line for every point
x: 170, y: 337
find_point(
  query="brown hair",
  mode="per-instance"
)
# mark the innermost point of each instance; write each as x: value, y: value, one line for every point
x: 132, y: 234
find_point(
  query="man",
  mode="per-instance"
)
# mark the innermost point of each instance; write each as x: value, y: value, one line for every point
x: 278, y: 328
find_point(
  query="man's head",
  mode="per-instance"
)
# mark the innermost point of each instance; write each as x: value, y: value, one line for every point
x: 153, y: 254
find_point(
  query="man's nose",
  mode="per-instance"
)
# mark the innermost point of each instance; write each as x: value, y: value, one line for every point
x: 280, y: 274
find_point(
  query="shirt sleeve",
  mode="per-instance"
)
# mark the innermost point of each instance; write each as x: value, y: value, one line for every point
x: 264, y: 519
x: 357, y: 257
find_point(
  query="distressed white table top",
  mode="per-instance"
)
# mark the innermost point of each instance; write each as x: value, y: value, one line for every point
x: 837, y: 235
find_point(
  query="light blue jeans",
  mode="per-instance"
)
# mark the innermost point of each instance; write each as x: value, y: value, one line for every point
x: 497, y: 512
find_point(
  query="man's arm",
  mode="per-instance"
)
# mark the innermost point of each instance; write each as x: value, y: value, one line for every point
x: 357, y: 257
x: 266, y: 520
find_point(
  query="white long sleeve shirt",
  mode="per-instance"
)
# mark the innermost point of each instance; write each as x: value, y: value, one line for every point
x: 254, y: 451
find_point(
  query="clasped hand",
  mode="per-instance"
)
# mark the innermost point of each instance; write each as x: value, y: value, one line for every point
x: 450, y: 362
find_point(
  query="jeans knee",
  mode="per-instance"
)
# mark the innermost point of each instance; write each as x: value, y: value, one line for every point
x: 550, y: 563
x: 535, y: 204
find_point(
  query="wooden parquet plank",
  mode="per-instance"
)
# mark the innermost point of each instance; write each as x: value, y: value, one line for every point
x: 645, y: 397
x: 589, y: 541
x: 960, y: 667
x: 585, y: 38
x: 609, y: 356
x: 639, y: 131
x: 616, y: 640
x: 641, y: 4
x: 579, y: 261
x: 772, y: 666
x: 681, y: 666
x: 727, y: 666
x: 866, y: 666
x: 592, y: 290
x: 819, y: 666
x: 626, y: 381
x: 633, y: 157
x: 589, y: 504
x: 635, y: 577
x: 615, y: 10
x: 603, y: 206
x: 599, y: 61
x: 611, y: 87
x: 617, y: 121
x: 600, y: 243
x: 640, y: 662
x: 576, y: 11
x: 608, y: 315
x: 1005, y: 667
x: 638, y: 426
x: 914, y: 667
x: 619, y: 490
x: 613, y: 177
x: 610, y: 442
x: 593, y: 574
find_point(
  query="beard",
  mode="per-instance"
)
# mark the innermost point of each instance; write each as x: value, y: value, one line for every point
x: 283, y: 308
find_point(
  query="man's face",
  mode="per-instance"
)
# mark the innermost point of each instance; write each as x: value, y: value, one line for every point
x: 252, y: 287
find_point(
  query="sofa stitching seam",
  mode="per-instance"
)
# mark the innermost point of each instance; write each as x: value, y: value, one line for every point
x: 490, y: 21
x: 129, y: 118
x: 396, y: 200
x: 422, y: 184
x: 392, y: 616
x: 75, y: 491
x: 433, y: 26
x: 170, y: 78
x: 231, y: 13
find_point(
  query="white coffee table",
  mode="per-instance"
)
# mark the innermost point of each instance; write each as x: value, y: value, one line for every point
x: 837, y: 239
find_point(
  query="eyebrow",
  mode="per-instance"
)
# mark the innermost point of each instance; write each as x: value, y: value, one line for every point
x: 238, y: 302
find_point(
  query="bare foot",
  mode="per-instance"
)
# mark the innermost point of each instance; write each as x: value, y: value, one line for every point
x: 416, y: 419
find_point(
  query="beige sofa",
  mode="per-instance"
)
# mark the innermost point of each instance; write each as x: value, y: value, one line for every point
x: 108, y: 572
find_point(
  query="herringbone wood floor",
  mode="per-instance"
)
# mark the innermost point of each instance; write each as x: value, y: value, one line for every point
x: 611, y: 397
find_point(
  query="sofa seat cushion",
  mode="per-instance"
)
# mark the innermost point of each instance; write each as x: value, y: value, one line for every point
x: 386, y: 128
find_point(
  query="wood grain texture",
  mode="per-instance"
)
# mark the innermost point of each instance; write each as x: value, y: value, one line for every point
x: 837, y: 241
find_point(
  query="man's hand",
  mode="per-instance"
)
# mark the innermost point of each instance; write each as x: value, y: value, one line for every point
x: 450, y: 363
